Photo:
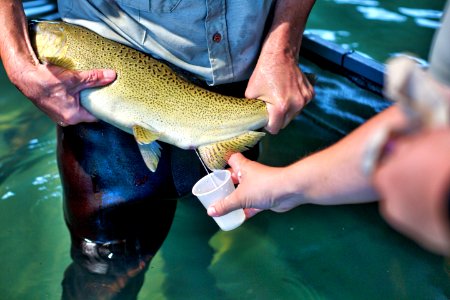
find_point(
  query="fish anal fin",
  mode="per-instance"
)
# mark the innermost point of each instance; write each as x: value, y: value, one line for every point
x: 149, y: 148
x: 216, y: 155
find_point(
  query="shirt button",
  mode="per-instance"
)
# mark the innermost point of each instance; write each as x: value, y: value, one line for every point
x: 217, y: 37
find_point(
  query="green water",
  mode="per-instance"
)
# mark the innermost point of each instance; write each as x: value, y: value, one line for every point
x: 379, y: 29
x: 312, y: 252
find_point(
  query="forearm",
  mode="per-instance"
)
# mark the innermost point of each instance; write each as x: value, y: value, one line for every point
x: 277, y: 79
x: 16, y: 51
x: 335, y: 175
x: 285, y: 35
x: 331, y: 176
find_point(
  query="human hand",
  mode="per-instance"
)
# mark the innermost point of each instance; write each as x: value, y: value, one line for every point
x: 56, y: 91
x: 260, y: 188
x: 413, y: 180
x: 279, y: 82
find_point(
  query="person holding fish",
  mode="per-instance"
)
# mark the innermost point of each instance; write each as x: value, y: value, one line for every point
x: 112, y: 202
x: 400, y: 156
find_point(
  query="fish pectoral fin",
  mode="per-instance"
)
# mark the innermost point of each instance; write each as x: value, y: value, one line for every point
x: 151, y: 154
x: 215, y: 156
x: 143, y: 135
x: 63, y: 62
x: 150, y: 149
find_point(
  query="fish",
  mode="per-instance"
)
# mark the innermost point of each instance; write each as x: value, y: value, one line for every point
x: 149, y: 99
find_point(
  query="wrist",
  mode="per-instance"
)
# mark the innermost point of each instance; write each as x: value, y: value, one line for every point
x: 287, y: 26
x: 298, y: 185
x: 18, y: 62
x: 281, y: 42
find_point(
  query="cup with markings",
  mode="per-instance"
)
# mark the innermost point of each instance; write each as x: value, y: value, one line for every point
x: 215, y: 186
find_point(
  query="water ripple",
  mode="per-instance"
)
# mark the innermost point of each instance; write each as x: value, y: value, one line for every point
x: 7, y: 195
x: 329, y: 35
x: 381, y: 14
x: 358, y: 2
x: 420, y: 13
x: 427, y: 23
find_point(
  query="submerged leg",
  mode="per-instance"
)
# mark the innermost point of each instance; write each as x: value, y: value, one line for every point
x: 117, y: 211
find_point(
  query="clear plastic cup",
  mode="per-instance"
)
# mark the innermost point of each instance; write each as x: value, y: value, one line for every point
x: 216, y: 186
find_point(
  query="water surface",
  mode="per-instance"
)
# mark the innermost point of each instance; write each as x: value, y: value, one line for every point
x: 312, y: 252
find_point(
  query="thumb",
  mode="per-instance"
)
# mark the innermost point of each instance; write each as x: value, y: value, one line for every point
x: 224, y: 206
x: 95, y: 78
x: 232, y: 201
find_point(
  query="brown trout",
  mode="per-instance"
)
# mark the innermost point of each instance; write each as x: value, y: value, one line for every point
x: 149, y: 100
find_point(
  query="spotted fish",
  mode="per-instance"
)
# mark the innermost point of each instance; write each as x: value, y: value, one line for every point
x: 149, y: 100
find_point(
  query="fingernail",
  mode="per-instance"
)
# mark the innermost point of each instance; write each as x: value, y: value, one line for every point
x: 212, y: 211
x: 109, y: 74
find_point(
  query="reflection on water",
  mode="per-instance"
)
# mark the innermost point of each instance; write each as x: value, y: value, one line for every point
x: 421, y: 13
x: 427, y: 23
x: 380, y: 14
x: 358, y: 2
x: 329, y: 35
x: 422, y: 17
x: 313, y: 252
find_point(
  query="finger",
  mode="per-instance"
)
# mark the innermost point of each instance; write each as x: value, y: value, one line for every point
x: 251, y: 92
x: 250, y: 212
x: 95, y: 78
x: 306, y: 89
x: 86, y: 116
x: 75, y: 114
x: 62, y: 123
x: 236, y: 161
x: 230, y: 203
x: 234, y: 176
x: 276, y: 119
x: 309, y: 94
x: 309, y: 80
x: 290, y: 116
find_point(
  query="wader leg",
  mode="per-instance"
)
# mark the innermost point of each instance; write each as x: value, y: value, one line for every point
x: 117, y: 211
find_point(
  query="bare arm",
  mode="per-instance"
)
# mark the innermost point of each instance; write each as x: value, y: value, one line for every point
x: 277, y: 78
x: 52, y: 89
x: 411, y: 181
x: 331, y: 176
x: 15, y: 47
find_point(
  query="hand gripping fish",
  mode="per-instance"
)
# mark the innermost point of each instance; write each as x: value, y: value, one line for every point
x: 149, y: 100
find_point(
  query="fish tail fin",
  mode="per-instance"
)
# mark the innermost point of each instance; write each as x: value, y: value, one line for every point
x: 216, y: 155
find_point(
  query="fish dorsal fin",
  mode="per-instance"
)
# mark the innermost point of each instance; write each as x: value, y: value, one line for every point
x: 150, y: 149
x: 215, y: 156
x: 63, y: 62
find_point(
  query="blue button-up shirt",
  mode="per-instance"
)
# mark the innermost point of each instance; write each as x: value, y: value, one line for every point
x: 218, y: 40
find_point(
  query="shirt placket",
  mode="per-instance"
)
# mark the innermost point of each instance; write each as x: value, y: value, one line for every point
x: 217, y: 40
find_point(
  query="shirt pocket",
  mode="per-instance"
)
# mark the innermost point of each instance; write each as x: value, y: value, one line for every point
x: 156, y: 6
